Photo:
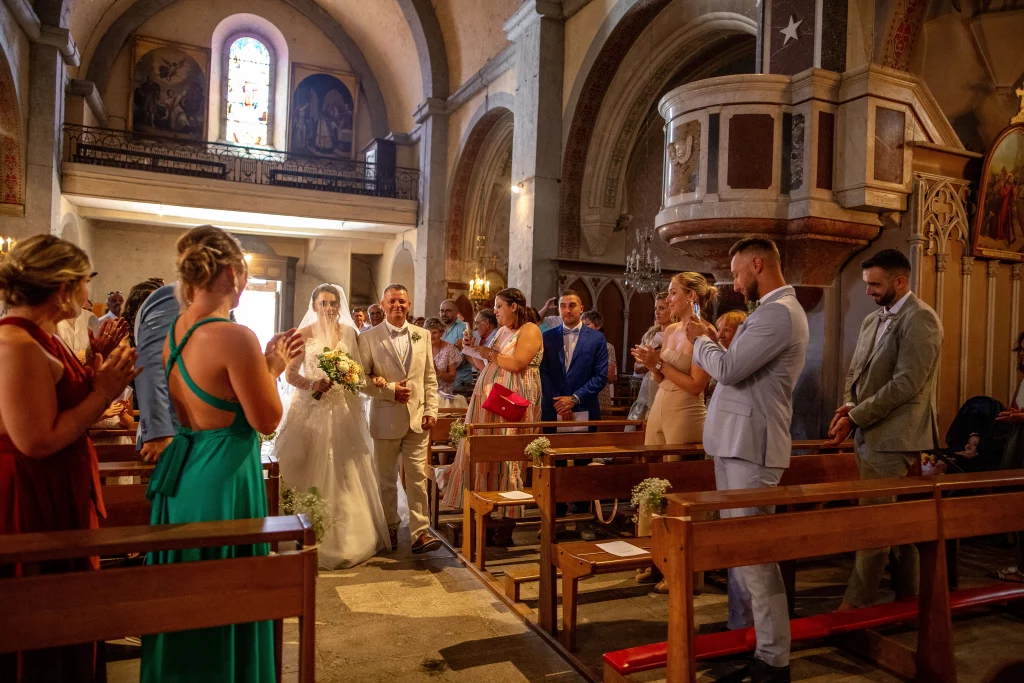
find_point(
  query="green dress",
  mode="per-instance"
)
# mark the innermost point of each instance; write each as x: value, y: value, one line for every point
x: 209, y: 475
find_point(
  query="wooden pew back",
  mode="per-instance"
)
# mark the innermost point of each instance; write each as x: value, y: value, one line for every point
x: 600, y: 425
x: 510, y: 447
x: 51, y: 610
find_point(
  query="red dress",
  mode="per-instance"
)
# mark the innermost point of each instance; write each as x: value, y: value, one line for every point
x: 59, y: 492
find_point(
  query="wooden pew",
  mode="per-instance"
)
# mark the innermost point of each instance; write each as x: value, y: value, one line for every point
x: 436, y: 446
x: 578, y: 560
x: 126, y: 504
x: 489, y: 448
x: 52, y: 610
x: 924, y: 514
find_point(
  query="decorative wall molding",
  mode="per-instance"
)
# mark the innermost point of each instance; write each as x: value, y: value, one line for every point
x: 966, y: 268
x: 990, y: 318
x: 488, y: 73
x: 37, y: 32
x: 1015, y: 273
x: 87, y: 90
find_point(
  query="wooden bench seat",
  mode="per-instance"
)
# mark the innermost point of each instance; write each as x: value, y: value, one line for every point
x: 66, y: 608
x: 482, y: 447
x: 925, y: 513
x: 580, y: 560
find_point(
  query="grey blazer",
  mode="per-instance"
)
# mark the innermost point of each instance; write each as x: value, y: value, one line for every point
x: 752, y: 408
x: 388, y: 418
x: 892, y: 386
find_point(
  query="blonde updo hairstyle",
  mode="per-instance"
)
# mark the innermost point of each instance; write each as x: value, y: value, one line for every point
x: 39, y: 267
x: 203, y: 254
x: 706, y: 293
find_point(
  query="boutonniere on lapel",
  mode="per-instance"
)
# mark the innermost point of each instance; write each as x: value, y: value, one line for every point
x: 416, y: 336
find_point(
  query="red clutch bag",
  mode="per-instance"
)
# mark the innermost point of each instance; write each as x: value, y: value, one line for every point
x: 506, y: 403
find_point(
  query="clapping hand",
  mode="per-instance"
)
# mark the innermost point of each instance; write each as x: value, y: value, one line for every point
x: 281, y: 350
x: 646, y: 356
x: 1011, y: 415
x: 113, y: 373
x: 110, y: 334
x: 402, y: 392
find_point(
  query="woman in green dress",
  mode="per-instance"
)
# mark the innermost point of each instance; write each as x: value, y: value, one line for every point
x: 224, y: 390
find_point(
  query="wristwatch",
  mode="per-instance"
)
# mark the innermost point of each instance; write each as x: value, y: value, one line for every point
x: 575, y: 400
x: 657, y: 368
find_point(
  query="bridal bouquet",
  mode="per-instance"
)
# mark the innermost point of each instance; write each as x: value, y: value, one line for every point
x: 342, y: 369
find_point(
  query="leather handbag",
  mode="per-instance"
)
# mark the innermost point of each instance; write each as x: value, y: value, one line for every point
x: 506, y: 403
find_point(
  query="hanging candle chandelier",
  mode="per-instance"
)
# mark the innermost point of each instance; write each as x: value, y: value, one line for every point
x: 643, y: 267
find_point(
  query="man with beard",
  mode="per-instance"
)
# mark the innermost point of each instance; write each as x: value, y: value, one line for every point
x: 747, y: 431
x: 889, y: 407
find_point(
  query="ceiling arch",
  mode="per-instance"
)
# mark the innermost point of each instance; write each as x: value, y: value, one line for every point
x: 118, y: 33
x: 430, y: 47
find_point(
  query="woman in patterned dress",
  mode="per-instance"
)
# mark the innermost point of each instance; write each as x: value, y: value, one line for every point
x: 447, y: 360
x: 513, y: 361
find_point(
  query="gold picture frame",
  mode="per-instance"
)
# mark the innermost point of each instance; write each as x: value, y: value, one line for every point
x: 998, y: 230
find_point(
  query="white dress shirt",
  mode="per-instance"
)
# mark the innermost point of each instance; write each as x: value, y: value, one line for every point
x: 569, y: 341
x: 400, y: 342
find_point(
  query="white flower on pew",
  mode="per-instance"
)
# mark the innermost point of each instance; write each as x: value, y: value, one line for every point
x: 311, y: 504
x: 456, y: 433
x: 535, y: 450
x: 650, y: 495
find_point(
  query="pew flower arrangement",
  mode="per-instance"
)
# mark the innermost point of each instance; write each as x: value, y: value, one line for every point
x: 310, y: 504
x: 535, y: 450
x: 456, y: 433
x: 649, y: 497
x: 264, y: 438
x: 342, y: 369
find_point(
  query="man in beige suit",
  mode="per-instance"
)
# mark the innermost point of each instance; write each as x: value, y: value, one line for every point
x: 890, y: 407
x: 401, y: 413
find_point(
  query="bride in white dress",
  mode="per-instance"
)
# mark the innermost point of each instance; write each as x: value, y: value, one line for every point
x: 326, y: 444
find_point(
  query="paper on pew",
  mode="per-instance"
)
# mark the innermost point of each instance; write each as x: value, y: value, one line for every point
x: 516, y: 495
x: 622, y: 549
x: 581, y: 416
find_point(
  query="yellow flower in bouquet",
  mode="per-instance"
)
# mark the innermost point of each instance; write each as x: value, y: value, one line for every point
x: 342, y: 369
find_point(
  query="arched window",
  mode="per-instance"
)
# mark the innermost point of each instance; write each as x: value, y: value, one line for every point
x: 249, y: 94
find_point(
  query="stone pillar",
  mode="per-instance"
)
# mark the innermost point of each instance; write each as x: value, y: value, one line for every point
x: 538, y: 31
x: 432, y: 116
x: 45, y: 135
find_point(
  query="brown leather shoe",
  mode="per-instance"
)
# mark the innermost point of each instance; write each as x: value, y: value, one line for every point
x: 393, y: 537
x: 426, y: 543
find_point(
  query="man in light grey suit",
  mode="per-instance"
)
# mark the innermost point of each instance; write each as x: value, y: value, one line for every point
x: 401, y: 413
x: 889, y: 405
x: 747, y: 431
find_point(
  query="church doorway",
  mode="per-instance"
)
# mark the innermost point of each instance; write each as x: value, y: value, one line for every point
x: 260, y: 308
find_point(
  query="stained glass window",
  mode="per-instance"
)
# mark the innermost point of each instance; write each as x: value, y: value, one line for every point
x: 248, y: 92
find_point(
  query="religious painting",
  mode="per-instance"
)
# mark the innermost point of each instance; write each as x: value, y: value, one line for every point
x: 323, y: 112
x: 999, y: 221
x: 170, y: 89
x: 683, y: 152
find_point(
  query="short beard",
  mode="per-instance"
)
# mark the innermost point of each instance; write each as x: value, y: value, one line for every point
x: 751, y: 293
x: 888, y: 297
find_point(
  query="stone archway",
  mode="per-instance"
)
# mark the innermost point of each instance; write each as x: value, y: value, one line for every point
x: 479, y: 200
x: 621, y: 31
x: 403, y: 271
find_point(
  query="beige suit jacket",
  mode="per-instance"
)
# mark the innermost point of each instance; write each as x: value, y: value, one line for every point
x: 892, y: 384
x: 390, y: 419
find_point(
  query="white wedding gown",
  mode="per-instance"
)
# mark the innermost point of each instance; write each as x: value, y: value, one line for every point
x: 326, y: 444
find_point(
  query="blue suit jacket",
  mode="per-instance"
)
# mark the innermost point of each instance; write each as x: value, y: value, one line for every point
x: 156, y: 414
x: 585, y: 377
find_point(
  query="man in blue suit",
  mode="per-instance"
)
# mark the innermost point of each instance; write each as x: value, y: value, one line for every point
x: 575, y: 365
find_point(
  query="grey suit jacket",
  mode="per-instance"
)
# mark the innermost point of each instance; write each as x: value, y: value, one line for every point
x: 156, y: 412
x: 892, y: 385
x: 390, y: 419
x: 752, y: 408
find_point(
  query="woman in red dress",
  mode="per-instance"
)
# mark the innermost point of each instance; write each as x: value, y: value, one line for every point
x: 49, y: 477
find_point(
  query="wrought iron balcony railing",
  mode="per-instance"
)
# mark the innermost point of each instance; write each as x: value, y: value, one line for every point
x: 220, y: 161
